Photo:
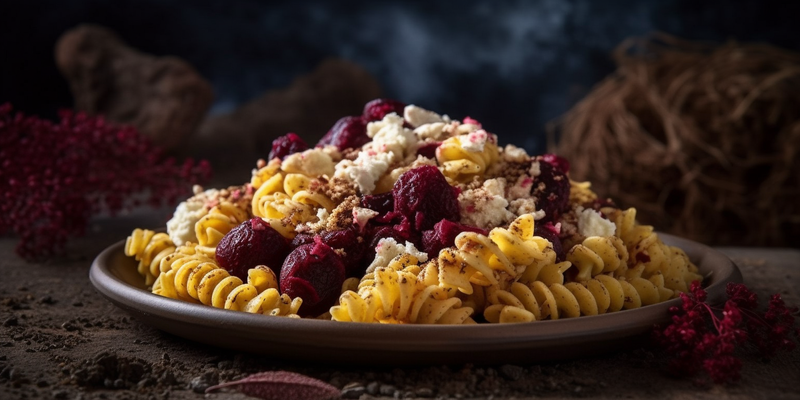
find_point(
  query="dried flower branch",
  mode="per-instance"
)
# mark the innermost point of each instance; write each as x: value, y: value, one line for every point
x: 55, y: 176
x: 704, y: 337
x: 278, y: 385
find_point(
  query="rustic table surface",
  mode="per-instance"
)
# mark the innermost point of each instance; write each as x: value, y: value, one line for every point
x: 60, y: 339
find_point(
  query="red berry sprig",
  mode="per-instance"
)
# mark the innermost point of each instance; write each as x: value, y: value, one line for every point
x: 702, y: 337
x: 55, y: 176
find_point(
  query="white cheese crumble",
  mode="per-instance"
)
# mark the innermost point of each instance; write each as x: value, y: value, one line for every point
x: 521, y: 189
x: 388, y: 248
x: 474, y: 141
x: 365, y: 170
x: 362, y: 215
x: 312, y: 162
x: 390, y: 136
x: 525, y: 206
x: 486, y: 206
x: 433, y: 131
x: 418, y: 116
x: 535, y: 169
x: 515, y: 154
x: 181, y: 226
x: 591, y: 223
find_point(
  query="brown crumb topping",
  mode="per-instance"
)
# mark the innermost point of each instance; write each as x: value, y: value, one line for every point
x: 342, y: 216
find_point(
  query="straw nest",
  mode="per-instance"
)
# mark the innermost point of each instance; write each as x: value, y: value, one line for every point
x: 701, y: 139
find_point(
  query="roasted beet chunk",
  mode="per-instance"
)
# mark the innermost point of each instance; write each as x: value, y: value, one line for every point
x: 382, y: 203
x: 251, y: 243
x: 559, y: 162
x: 444, y: 235
x: 301, y: 239
x: 376, y: 109
x: 347, y: 133
x: 315, y: 273
x: 401, y: 233
x: 549, y: 232
x: 428, y: 150
x: 287, y: 144
x: 424, y: 197
x: 353, y: 247
x: 551, y: 190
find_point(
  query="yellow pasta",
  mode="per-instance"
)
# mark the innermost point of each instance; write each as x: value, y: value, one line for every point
x: 649, y: 256
x: 609, y: 262
x: 597, y: 255
x: 460, y: 163
x: 149, y: 248
x: 220, y: 220
x: 206, y: 283
x: 396, y: 296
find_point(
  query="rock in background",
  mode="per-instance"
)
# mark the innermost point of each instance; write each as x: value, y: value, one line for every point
x: 309, y: 107
x: 164, y: 97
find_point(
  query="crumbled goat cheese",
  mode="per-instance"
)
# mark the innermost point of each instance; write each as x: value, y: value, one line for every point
x: 312, y: 162
x: 418, y: 116
x: 521, y: 189
x: 515, y: 154
x: 433, y: 131
x: 485, y: 206
x: 474, y: 141
x: 390, y: 136
x: 181, y: 226
x: 362, y: 215
x: 525, y: 206
x: 591, y: 223
x: 388, y: 248
x: 365, y: 170
x: 535, y: 169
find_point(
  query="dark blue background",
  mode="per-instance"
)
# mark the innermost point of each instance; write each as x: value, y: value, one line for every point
x: 513, y: 65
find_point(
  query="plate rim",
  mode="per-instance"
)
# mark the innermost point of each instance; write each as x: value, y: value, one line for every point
x: 425, y: 341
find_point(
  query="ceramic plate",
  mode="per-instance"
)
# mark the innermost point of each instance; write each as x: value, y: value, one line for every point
x: 115, y: 276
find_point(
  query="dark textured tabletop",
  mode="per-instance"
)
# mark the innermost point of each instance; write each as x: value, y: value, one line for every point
x: 60, y: 339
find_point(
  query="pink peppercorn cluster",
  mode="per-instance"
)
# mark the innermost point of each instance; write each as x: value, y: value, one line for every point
x: 55, y: 175
x: 700, y: 339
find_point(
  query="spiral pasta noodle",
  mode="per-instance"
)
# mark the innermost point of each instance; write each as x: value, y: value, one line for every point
x: 460, y: 163
x: 286, y: 200
x: 220, y: 220
x: 597, y: 255
x: 203, y: 281
x: 149, y: 248
x: 649, y: 256
x: 602, y: 294
x: 396, y: 296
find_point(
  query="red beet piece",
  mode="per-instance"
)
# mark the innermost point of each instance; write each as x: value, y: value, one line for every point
x: 400, y: 232
x: 376, y: 109
x: 347, y: 133
x: 551, y: 190
x: 428, y: 150
x: 424, y: 197
x: 251, y: 243
x: 287, y: 144
x: 444, y: 235
x: 549, y: 232
x: 348, y: 241
x: 315, y: 273
x: 382, y: 203
x: 301, y: 239
x: 557, y: 161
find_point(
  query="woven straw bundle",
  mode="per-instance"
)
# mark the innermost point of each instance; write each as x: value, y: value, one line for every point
x: 701, y: 139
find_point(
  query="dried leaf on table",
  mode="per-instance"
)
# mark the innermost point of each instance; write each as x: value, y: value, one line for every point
x: 278, y: 385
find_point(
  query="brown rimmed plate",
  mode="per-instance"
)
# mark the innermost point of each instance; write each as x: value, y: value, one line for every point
x: 115, y: 277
